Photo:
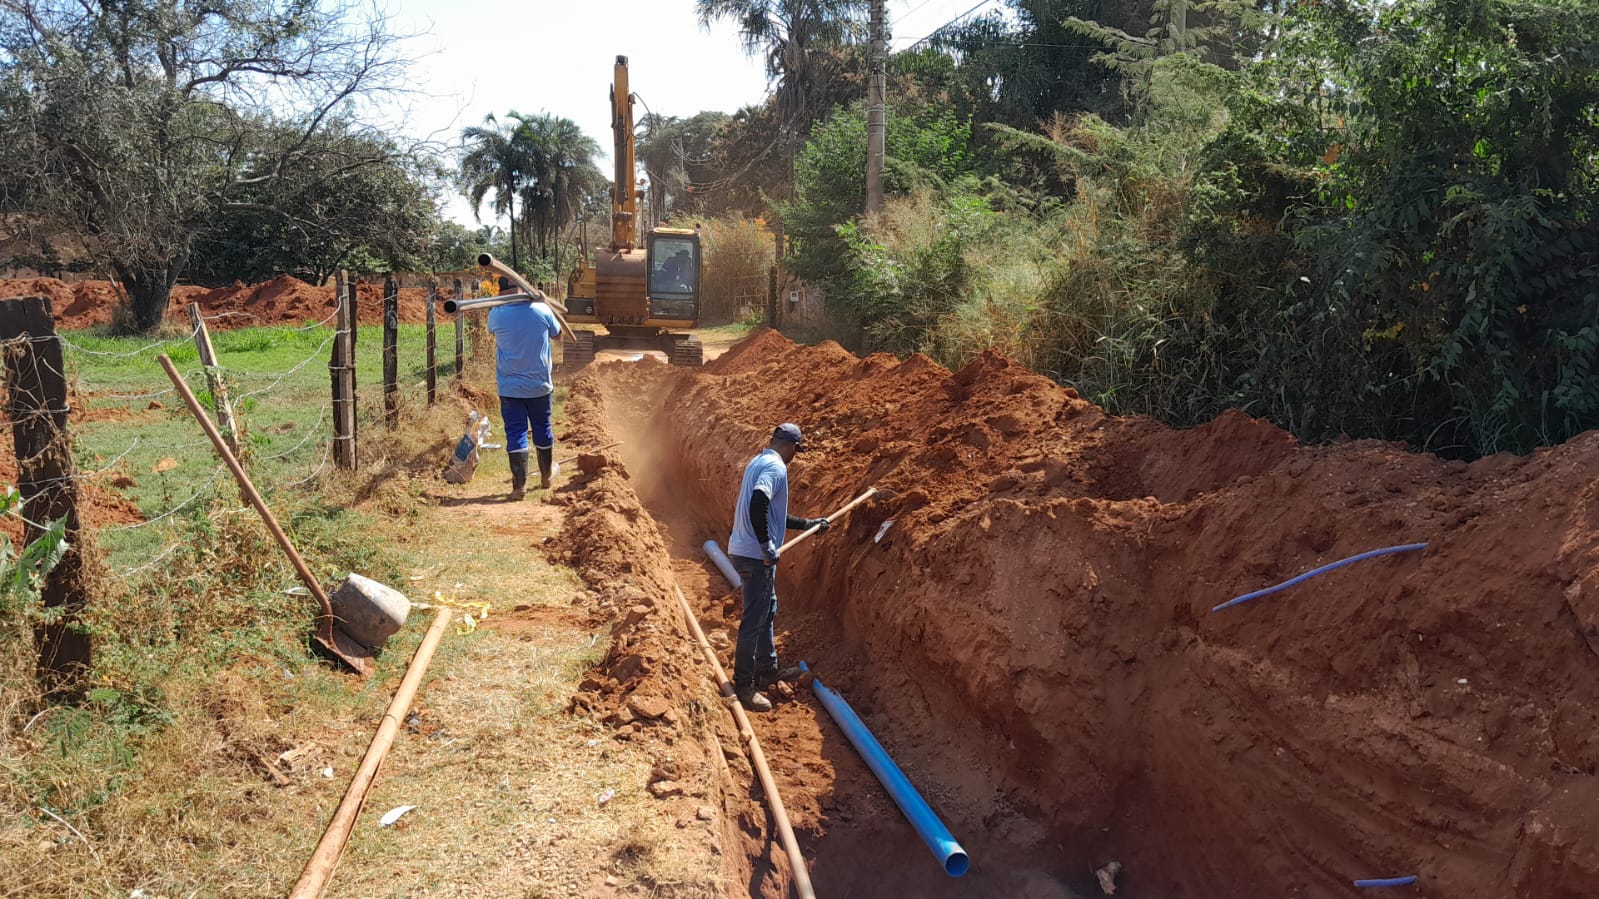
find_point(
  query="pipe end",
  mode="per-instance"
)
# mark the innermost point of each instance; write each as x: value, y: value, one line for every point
x: 957, y: 863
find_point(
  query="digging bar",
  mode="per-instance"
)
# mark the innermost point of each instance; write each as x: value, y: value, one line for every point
x: 335, y: 640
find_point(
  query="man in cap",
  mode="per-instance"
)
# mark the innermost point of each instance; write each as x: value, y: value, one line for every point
x: 760, y: 518
x: 522, y: 334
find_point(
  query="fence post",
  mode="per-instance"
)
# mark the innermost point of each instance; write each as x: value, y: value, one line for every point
x: 232, y: 427
x: 479, y: 329
x: 342, y: 367
x: 433, y: 360
x: 36, y: 403
x: 771, y: 297
x: 352, y: 287
x: 391, y: 351
x: 460, y: 333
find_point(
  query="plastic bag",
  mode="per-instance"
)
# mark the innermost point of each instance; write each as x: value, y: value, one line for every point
x: 463, y: 461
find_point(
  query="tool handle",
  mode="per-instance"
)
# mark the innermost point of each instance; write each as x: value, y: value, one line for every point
x: 247, y: 487
x: 829, y: 519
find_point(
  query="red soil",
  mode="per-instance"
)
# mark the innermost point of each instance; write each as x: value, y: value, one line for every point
x: 282, y: 300
x: 1033, y: 641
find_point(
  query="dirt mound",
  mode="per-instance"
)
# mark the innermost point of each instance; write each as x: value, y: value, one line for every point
x: 1034, y: 635
x: 282, y: 300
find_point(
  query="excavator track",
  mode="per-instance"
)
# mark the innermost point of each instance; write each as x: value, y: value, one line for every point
x: 689, y: 353
x: 581, y: 352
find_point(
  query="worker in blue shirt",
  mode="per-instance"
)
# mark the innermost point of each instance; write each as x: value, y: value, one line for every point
x: 522, y: 333
x: 760, y: 518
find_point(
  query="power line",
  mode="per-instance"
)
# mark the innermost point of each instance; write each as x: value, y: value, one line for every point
x: 935, y: 31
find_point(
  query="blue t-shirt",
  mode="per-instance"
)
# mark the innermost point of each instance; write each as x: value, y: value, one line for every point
x: 522, y: 334
x: 768, y: 474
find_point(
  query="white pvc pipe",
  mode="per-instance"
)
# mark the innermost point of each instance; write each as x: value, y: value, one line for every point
x: 723, y: 563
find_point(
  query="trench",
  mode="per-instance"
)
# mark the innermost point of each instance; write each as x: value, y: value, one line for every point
x: 858, y: 842
x: 1032, y: 637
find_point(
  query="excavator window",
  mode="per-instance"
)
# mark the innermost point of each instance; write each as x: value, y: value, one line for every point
x: 674, y: 267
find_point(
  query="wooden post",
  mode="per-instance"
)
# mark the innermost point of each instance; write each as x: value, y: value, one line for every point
x: 342, y: 368
x: 771, y: 297
x: 391, y: 352
x: 36, y: 403
x: 460, y: 333
x: 476, y: 325
x: 232, y: 428
x: 433, y: 349
x: 352, y: 286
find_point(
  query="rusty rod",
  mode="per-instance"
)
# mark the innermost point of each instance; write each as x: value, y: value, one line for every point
x: 314, y: 879
x: 785, y: 830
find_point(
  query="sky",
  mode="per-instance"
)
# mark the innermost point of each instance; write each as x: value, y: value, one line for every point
x: 478, y: 57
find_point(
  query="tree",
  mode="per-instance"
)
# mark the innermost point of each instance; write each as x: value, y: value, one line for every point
x: 678, y: 155
x: 495, y: 160
x: 354, y: 197
x: 561, y: 173
x: 792, y: 34
x: 133, y: 124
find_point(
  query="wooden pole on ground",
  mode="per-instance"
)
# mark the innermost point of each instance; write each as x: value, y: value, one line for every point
x: 232, y: 428
x: 314, y: 879
x: 785, y: 830
x: 432, y: 349
x: 391, y: 352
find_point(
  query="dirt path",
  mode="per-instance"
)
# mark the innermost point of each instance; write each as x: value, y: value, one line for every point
x: 514, y: 796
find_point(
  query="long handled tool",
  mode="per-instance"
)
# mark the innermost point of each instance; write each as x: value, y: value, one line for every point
x: 874, y: 492
x: 333, y: 638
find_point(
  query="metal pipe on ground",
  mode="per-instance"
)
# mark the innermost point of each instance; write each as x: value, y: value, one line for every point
x: 785, y: 830
x: 723, y: 563
x: 314, y: 879
x: 921, y: 816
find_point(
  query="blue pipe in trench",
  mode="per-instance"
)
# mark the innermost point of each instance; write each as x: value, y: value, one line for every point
x: 917, y: 811
x: 723, y: 563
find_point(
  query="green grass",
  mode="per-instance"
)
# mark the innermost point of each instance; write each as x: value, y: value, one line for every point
x: 279, y: 383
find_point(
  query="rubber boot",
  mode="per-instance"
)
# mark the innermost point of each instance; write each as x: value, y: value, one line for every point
x: 518, y: 473
x: 547, y: 468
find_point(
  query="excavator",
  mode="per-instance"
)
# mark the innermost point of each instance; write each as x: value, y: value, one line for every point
x: 646, y: 296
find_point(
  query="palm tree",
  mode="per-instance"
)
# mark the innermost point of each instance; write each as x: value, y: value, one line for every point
x: 787, y: 31
x: 561, y: 173
x: 495, y: 160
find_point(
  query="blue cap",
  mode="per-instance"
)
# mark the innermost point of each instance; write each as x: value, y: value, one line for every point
x: 788, y: 431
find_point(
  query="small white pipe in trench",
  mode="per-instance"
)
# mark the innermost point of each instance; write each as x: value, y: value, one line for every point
x: 723, y: 563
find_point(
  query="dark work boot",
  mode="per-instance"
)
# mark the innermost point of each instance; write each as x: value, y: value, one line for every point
x: 751, y: 700
x: 547, y: 468
x: 518, y: 473
x: 766, y: 679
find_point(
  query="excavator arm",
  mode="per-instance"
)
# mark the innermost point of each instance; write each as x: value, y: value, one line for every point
x: 624, y: 193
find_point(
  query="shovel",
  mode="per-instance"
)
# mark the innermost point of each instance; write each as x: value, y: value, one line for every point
x: 332, y: 637
x: 870, y: 493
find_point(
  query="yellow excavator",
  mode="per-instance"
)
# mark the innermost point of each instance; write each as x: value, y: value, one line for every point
x: 646, y: 297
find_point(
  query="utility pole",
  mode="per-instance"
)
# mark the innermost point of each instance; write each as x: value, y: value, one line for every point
x: 876, y: 114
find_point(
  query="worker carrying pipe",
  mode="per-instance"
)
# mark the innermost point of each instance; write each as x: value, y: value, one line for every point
x: 760, y: 517
x: 522, y: 333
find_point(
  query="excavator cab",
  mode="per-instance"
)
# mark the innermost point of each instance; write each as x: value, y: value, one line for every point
x: 674, y: 284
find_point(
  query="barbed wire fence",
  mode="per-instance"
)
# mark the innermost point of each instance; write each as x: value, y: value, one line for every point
x: 258, y: 388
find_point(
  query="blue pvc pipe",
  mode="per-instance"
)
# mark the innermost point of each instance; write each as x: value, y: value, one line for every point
x: 1386, y: 882
x: 1408, y: 547
x: 723, y: 563
x: 922, y: 817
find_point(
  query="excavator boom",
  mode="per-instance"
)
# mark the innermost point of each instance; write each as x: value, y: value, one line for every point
x: 624, y: 193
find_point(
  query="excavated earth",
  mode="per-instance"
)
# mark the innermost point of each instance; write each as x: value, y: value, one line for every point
x: 282, y: 300
x: 1032, y: 636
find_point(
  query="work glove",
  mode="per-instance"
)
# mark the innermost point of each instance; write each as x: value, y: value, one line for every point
x: 821, y: 525
x: 770, y: 552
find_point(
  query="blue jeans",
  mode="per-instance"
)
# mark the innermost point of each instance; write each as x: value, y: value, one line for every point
x: 518, y: 412
x: 757, y: 650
